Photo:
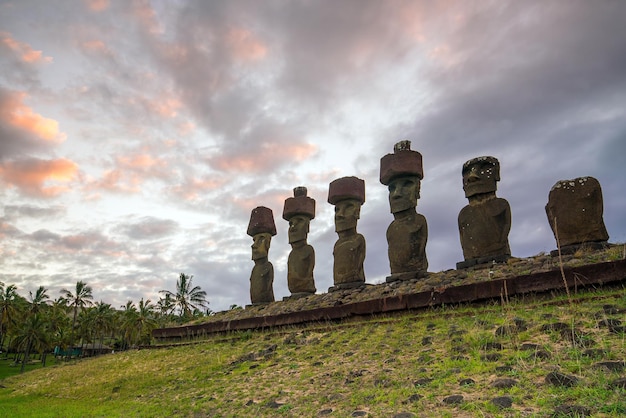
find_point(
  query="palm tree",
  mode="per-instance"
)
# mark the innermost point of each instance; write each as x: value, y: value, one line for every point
x: 187, y: 298
x: 78, y: 300
x: 139, y: 322
x: 9, y: 300
x: 32, y: 335
x: 39, y: 299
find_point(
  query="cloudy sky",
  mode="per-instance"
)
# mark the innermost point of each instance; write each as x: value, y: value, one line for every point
x: 137, y: 136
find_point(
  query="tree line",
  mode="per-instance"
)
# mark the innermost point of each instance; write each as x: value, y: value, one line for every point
x: 37, y: 324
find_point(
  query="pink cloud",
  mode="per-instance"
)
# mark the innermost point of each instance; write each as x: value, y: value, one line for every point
x: 193, y: 189
x: 24, y: 51
x: 39, y: 178
x: 13, y: 112
x: 97, y: 5
x: 270, y: 155
x: 244, y: 45
x: 96, y: 47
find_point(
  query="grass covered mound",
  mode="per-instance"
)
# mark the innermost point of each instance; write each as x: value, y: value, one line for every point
x: 560, y: 356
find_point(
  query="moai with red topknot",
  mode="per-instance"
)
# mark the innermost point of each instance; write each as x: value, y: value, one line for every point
x: 485, y: 223
x: 402, y: 173
x: 575, y: 213
x: 347, y: 194
x: 299, y: 210
x: 261, y: 228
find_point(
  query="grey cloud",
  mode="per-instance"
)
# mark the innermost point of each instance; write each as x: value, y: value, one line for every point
x: 18, y: 211
x: 150, y: 228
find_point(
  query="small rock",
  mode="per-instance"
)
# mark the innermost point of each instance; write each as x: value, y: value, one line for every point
x: 422, y: 382
x: 327, y: 411
x: 502, y: 402
x: 413, y: 398
x: 273, y: 404
x: 492, y: 346
x: 504, y: 369
x: 609, y: 323
x: 560, y: 379
x: 541, y: 355
x: 359, y: 413
x: 618, y: 383
x: 530, y: 346
x: 453, y: 399
x: 571, y: 411
x: 610, y: 309
x: 613, y: 366
x: 504, y: 383
x: 404, y: 415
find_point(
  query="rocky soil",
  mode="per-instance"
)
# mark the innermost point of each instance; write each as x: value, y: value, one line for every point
x: 433, y: 281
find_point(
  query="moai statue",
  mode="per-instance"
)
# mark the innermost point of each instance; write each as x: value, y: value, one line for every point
x: 574, y: 212
x: 402, y: 173
x: 347, y: 194
x: 485, y: 223
x: 261, y: 228
x: 299, y: 210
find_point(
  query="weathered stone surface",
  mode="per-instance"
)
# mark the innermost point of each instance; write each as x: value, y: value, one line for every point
x: 299, y: 210
x: 261, y: 228
x: 346, y: 188
x: 576, y: 411
x: 403, y: 162
x: 485, y: 223
x: 299, y: 204
x: 575, y: 213
x: 453, y: 399
x: 347, y: 194
x: 262, y: 282
x: 407, y: 235
x: 502, y: 401
x: 261, y: 220
x: 504, y: 383
x: 560, y: 379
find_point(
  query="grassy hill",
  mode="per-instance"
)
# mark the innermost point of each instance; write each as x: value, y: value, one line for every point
x: 535, y: 356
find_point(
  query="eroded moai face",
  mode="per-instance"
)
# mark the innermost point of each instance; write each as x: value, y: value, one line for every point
x: 347, y: 214
x: 403, y: 193
x: 480, y: 176
x: 298, y: 228
x: 261, y: 245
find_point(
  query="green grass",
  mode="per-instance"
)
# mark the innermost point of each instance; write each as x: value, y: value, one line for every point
x: 382, y: 365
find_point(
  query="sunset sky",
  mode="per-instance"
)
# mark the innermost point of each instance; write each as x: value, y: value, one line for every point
x: 137, y: 136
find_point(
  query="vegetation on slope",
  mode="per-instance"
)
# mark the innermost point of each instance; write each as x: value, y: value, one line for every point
x: 525, y: 357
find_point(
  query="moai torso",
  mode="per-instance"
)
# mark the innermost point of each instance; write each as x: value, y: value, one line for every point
x: 406, y: 238
x: 261, y: 282
x: 484, y: 229
x: 300, y: 269
x: 349, y: 255
x: 575, y: 207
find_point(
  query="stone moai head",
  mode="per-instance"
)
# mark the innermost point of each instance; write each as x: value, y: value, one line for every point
x: 480, y: 176
x: 299, y: 210
x: 575, y: 211
x: 261, y: 228
x: 347, y: 194
x: 402, y: 172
